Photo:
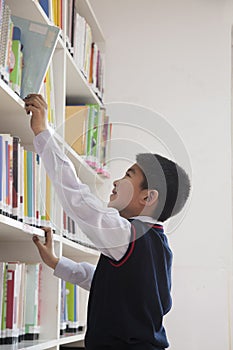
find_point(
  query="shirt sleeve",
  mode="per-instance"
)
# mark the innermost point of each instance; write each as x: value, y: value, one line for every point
x: 108, y: 231
x: 76, y: 273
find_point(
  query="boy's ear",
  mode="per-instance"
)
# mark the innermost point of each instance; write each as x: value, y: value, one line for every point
x: 150, y: 197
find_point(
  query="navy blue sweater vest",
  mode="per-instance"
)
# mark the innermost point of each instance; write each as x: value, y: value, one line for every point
x: 129, y: 297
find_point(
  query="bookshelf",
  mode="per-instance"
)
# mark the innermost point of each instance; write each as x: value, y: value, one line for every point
x: 15, y: 236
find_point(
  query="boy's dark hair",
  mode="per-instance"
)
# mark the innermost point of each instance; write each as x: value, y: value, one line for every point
x: 169, y: 179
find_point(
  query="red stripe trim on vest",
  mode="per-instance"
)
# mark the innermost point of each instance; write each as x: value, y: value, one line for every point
x: 156, y: 226
x: 129, y: 252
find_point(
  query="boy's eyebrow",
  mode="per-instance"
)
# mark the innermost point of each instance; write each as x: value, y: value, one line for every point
x: 131, y: 170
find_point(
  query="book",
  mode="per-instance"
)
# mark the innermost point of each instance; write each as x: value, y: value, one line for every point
x: 16, y: 61
x: 16, y: 178
x: 79, y: 36
x: 2, y: 270
x: 13, y: 279
x: 71, y: 295
x: 45, y: 6
x: 63, y: 312
x: 39, y: 41
x: 93, y: 136
x: 5, y: 32
x: 30, y: 189
x: 21, y: 185
x: 76, y: 118
x: 4, y: 306
x: 32, y: 327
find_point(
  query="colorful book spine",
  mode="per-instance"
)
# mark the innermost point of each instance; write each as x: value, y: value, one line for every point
x: 32, y: 327
x: 30, y: 189
x: 5, y: 32
x: 4, y: 306
x: 76, y: 119
x: 12, y: 331
x: 16, y: 61
x: 16, y: 180
x: 72, y: 325
x: 63, y: 315
x: 21, y: 184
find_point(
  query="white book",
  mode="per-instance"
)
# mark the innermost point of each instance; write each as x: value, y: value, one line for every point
x: 21, y: 304
x: 32, y: 299
x: 21, y: 185
x: 42, y: 199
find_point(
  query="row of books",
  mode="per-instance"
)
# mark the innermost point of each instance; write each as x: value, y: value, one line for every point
x: 20, y: 286
x: 26, y: 192
x: 79, y: 39
x: 73, y: 308
x: 26, y: 49
x: 88, y: 131
x: 72, y: 232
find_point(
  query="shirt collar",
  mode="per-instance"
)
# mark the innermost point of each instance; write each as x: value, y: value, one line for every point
x: 148, y: 219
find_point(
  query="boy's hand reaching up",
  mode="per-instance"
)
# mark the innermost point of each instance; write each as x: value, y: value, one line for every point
x: 46, y: 250
x: 36, y: 105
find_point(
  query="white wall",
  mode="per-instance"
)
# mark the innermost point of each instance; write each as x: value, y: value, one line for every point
x: 174, y: 57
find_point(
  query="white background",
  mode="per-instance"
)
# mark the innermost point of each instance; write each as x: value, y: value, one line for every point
x: 174, y: 57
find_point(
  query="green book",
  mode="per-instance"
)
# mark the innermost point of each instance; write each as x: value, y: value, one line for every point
x: 4, y: 303
x: 16, y: 61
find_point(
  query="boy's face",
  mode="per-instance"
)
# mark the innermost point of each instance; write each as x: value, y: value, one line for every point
x: 127, y: 195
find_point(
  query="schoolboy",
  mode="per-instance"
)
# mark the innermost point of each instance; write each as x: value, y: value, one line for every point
x: 130, y: 287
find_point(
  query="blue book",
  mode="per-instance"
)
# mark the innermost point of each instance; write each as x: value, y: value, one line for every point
x: 39, y: 42
x: 45, y: 6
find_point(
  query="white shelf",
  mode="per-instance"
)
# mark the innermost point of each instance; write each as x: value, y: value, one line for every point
x: 84, y: 171
x: 85, y: 10
x: 66, y: 339
x: 78, y: 252
x: 31, y: 345
x: 14, y: 119
x: 78, y: 89
x: 13, y: 230
x: 29, y: 9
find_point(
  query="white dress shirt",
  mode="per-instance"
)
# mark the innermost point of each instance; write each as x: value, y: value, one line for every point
x: 108, y: 231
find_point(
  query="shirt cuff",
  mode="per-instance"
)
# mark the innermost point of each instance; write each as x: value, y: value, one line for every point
x: 63, y: 267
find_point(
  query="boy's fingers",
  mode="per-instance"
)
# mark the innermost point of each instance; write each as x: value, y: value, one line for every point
x: 37, y: 242
x: 48, y: 234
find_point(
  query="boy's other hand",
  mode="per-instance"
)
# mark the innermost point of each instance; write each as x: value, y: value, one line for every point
x: 46, y: 249
x: 36, y: 105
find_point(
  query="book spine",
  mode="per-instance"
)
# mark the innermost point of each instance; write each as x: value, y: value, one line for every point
x: 4, y: 307
x: 25, y: 194
x: 15, y: 185
x: 32, y: 328
x: 21, y: 184
x: 71, y: 307
x: 15, y: 62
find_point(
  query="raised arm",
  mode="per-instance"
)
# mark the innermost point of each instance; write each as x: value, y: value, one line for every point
x: 109, y: 232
